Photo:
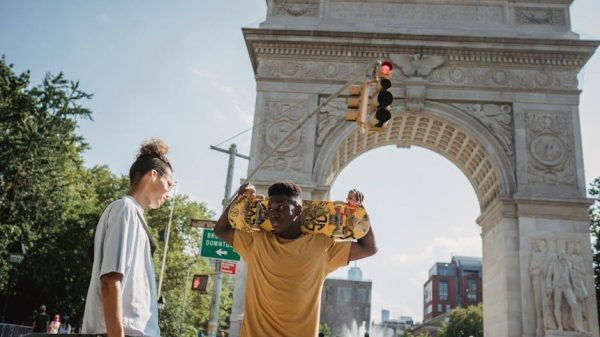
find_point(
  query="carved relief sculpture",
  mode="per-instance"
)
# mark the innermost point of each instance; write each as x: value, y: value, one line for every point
x: 496, y: 118
x: 549, y: 146
x: 578, y: 269
x: 559, y: 284
x: 557, y: 278
x: 296, y: 8
x: 280, y: 119
x: 537, y: 271
x: 416, y: 67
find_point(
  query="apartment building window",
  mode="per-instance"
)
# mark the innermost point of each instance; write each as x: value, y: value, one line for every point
x: 326, y: 295
x: 448, y: 308
x: 344, y: 294
x: 428, y: 309
x: 472, y: 290
x: 440, y: 307
x: 362, y: 296
x: 443, y: 290
x: 427, y: 292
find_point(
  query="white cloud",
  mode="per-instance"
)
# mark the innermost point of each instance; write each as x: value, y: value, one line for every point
x: 439, y: 248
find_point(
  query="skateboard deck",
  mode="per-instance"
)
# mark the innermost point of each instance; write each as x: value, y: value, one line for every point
x: 335, y: 219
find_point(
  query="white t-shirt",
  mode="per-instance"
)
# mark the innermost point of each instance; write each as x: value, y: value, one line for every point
x: 121, y: 245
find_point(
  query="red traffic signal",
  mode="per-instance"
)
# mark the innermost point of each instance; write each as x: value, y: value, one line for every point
x: 200, y: 282
x: 385, y: 69
x: 383, y: 97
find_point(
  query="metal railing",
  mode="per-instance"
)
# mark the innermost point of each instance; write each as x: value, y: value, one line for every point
x: 11, y: 330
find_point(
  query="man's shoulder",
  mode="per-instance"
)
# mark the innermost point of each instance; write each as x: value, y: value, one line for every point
x: 123, y: 204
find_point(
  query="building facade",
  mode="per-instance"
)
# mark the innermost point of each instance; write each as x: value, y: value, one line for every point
x: 452, y: 285
x: 346, y: 304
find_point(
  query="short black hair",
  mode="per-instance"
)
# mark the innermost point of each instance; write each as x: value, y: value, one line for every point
x: 288, y: 189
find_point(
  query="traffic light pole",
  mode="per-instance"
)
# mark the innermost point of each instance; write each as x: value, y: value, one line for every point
x: 215, y: 302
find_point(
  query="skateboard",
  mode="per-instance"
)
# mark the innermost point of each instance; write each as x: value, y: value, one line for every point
x: 335, y: 219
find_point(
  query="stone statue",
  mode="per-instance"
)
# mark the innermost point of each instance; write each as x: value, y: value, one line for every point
x: 559, y: 284
x: 578, y: 270
x: 537, y: 271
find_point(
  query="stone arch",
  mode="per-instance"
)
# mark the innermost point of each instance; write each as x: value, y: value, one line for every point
x: 442, y: 129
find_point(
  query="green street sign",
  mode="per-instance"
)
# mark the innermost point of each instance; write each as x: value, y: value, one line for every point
x: 214, y: 247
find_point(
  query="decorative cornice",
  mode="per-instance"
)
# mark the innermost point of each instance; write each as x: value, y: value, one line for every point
x: 488, y: 50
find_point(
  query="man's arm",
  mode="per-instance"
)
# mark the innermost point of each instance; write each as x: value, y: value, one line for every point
x: 223, y: 229
x: 363, y: 247
x: 112, y: 304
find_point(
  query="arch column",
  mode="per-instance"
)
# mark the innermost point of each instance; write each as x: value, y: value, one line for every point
x: 511, y: 232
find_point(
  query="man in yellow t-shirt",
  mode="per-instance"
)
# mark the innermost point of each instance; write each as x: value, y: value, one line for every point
x: 286, y: 269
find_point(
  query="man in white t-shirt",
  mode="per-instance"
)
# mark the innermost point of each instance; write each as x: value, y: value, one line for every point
x: 122, y: 299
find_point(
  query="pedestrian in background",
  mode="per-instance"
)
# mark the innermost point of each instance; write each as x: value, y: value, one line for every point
x: 41, y: 320
x: 121, y: 298
x: 65, y: 327
x: 54, y: 325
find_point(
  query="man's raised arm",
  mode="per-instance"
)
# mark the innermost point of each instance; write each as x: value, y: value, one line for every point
x: 223, y: 229
x: 363, y: 247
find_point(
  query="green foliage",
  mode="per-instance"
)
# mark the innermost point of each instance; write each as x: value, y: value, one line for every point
x: 594, y: 192
x: 325, y: 330
x: 420, y: 334
x: 40, y: 156
x: 464, y: 322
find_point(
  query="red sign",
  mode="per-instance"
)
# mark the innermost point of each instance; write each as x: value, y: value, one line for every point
x: 201, y: 223
x: 228, y: 268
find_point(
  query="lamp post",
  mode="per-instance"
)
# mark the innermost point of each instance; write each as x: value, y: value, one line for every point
x: 16, y: 254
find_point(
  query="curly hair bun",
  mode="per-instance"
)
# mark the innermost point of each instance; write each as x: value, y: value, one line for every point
x: 155, y: 148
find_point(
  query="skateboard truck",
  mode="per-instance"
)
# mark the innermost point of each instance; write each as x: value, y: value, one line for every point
x: 260, y: 217
x: 338, y: 233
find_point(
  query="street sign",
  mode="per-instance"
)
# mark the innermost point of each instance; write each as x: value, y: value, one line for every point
x: 228, y: 268
x: 214, y: 247
x: 202, y: 223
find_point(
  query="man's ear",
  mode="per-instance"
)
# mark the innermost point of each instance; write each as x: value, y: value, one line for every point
x: 299, y: 209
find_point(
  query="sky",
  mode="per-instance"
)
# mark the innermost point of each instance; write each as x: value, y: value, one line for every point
x: 180, y: 70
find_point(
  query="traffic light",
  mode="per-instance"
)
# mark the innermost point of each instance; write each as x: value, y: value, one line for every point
x: 200, y: 282
x: 358, y: 104
x: 383, y: 98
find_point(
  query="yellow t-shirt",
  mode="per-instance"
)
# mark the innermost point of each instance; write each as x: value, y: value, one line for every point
x: 284, y: 281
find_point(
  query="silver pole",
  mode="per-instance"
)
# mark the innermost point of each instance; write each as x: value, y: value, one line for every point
x: 185, y: 295
x: 164, y: 257
x: 215, y: 302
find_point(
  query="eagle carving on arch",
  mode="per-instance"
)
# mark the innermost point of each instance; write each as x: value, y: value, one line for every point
x: 417, y: 65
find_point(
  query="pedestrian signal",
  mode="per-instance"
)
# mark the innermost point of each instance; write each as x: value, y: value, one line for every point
x: 200, y: 282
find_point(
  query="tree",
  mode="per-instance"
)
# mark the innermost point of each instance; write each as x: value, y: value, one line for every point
x: 420, y: 334
x: 464, y: 322
x: 41, y: 167
x: 594, y: 192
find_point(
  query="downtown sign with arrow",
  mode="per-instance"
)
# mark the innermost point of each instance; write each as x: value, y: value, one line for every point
x: 214, y: 247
